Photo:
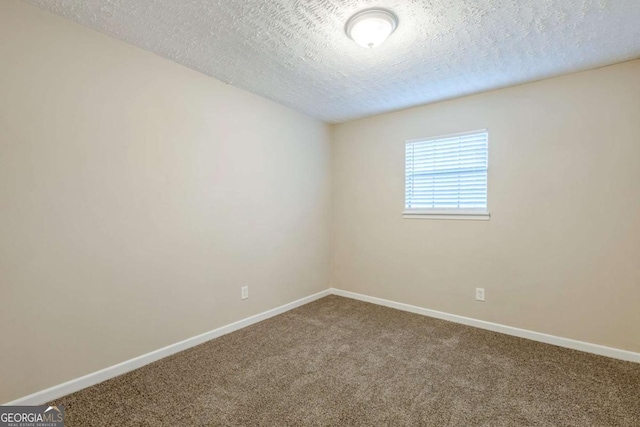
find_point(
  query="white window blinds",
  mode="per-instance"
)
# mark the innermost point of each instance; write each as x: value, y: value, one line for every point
x: 447, y: 173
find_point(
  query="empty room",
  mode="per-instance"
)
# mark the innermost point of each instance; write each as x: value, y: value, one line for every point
x: 319, y: 213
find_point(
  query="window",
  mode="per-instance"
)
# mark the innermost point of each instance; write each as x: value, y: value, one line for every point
x: 446, y: 177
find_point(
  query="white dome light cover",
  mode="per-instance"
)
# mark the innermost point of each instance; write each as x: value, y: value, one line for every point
x: 371, y: 27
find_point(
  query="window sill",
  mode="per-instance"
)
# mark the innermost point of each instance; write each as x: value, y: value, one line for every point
x: 464, y: 215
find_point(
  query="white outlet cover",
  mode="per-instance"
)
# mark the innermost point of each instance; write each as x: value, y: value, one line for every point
x: 480, y: 294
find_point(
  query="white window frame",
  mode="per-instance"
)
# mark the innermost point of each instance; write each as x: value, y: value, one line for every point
x: 454, y: 213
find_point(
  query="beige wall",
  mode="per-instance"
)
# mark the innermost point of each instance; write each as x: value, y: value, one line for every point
x: 137, y: 197
x: 561, y: 254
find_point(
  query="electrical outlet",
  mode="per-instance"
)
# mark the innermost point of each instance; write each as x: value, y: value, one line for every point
x: 479, y: 294
x: 245, y: 292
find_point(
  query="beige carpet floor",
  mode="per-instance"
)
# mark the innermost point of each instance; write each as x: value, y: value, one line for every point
x: 343, y: 362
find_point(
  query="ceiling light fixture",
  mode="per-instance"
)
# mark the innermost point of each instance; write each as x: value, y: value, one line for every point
x: 371, y: 27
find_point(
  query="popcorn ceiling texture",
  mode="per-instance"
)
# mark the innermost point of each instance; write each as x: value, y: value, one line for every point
x: 296, y: 53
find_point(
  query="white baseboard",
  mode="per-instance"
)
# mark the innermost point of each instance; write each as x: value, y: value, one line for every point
x: 72, y: 386
x: 77, y: 384
x: 496, y: 327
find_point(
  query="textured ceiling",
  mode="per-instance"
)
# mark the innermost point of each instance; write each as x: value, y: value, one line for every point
x: 296, y: 53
